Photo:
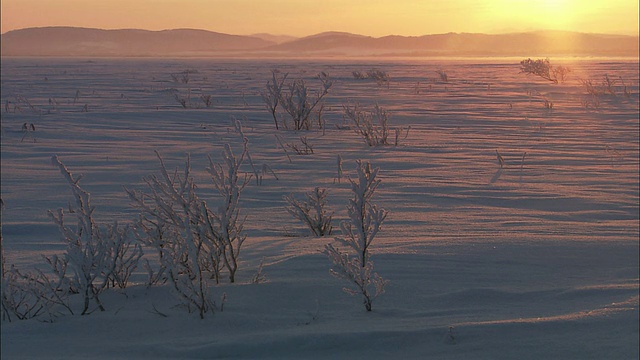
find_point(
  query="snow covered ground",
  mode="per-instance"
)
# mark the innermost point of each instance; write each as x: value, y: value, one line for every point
x: 536, y: 259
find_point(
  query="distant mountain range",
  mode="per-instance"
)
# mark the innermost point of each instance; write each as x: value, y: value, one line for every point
x: 85, y: 42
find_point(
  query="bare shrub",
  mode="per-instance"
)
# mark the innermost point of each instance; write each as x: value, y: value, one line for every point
x: 206, y: 99
x: 28, y: 130
x: 379, y: 76
x: 303, y: 148
x: 299, y: 104
x: 273, y: 94
x: 597, y: 90
x: 358, y: 75
x: 544, y: 69
x: 184, y: 102
x: 365, y: 221
x: 373, y: 126
x: 312, y: 212
x: 443, y: 76
x: 31, y: 294
x: 183, y: 76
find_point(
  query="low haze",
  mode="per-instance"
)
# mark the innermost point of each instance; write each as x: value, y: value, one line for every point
x: 302, y: 18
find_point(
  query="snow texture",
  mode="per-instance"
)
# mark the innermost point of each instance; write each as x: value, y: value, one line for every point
x: 513, y: 221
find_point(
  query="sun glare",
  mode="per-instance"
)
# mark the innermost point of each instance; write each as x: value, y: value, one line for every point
x: 545, y: 14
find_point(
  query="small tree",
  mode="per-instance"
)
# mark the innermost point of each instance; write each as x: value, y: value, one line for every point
x: 312, y: 212
x: 365, y: 220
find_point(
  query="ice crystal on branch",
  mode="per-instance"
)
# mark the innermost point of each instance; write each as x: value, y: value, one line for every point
x: 312, y: 212
x: 365, y: 221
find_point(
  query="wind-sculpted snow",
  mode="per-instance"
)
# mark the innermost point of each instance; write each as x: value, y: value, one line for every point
x: 513, y: 218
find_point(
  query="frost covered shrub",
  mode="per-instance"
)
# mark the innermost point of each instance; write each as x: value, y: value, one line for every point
x: 312, y: 212
x: 31, y: 294
x: 25, y: 295
x: 365, y: 220
x: 228, y: 226
x: 94, y: 258
x: 175, y: 222
x: 296, y: 100
x: 544, y: 69
x: 194, y: 243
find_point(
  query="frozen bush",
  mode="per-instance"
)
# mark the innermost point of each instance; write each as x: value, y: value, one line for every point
x: 94, y: 258
x: 194, y: 243
x: 175, y: 222
x: 365, y: 221
x: 31, y: 294
x: 228, y: 227
x: 27, y: 295
x: 312, y: 212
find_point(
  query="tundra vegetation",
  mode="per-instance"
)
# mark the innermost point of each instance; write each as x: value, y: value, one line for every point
x: 358, y: 232
x: 195, y: 243
x: 543, y: 69
x: 297, y: 100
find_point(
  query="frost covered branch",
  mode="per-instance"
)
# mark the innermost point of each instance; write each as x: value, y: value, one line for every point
x: 365, y: 221
x: 312, y: 212
x: 94, y: 258
x: 228, y: 228
x: 175, y: 222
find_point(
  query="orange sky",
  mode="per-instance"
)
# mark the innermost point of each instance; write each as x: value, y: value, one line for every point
x: 305, y: 17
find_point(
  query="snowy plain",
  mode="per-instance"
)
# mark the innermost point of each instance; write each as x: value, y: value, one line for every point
x: 536, y: 259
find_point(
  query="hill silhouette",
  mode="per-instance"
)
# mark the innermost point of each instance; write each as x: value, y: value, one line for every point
x: 71, y: 42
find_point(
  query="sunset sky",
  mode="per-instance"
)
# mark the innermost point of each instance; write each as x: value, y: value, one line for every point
x: 304, y: 17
